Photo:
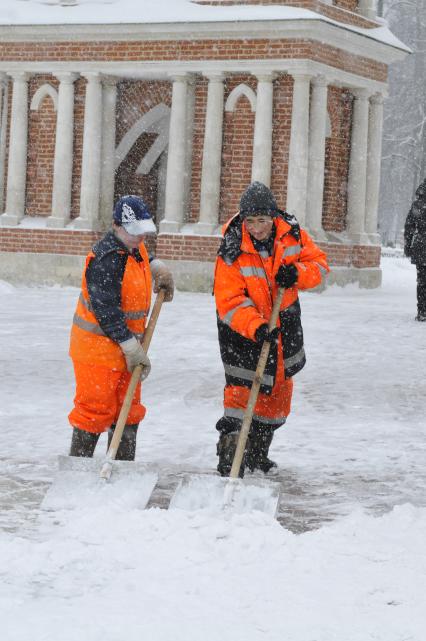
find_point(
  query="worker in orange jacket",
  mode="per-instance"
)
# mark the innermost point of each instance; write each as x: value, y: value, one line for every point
x: 263, y: 249
x: 108, y: 328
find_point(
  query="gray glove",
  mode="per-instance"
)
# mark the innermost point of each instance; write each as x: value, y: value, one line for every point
x: 134, y: 354
x: 163, y: 279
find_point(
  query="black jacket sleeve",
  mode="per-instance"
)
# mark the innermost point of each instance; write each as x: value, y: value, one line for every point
x: 104, y: 278
x: 409, y: 229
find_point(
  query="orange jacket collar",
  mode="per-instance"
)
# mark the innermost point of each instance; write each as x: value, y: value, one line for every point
x: 282, y: 228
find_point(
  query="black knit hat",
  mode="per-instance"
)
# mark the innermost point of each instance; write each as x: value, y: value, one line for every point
x: 421, y: 189
x: 256, y: 200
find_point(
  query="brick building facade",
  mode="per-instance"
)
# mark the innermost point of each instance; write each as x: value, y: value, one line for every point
x: 186, y: 114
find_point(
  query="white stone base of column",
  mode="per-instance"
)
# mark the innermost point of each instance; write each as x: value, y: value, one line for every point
x: 9, y: 220
x: 359, y: 238
x: 375, y: 239
x: 202, y: 229
x: 86, y: 224
x: 317, y: 234
x: 56, y: 222
x: 169, y: 227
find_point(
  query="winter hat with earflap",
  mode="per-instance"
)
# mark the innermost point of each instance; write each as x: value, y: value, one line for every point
x: 131, y: 213
x: 256, y: 200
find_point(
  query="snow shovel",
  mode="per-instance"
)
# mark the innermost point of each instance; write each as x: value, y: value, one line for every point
x: 82, y: 480
x: 198, y: 492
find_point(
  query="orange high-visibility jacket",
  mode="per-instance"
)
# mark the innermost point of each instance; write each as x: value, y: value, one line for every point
x: 245, y: 289
x: 89, y: 343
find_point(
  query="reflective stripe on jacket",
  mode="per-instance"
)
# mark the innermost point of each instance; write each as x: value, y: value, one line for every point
x: 89, y: 342
x: 245, y: 288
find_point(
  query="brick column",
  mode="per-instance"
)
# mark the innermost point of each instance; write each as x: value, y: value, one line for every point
x: 374, y: 157
x: 176, y: 160
x: 62, y: 169
x: 358, y: 168
x: 263, y: 126
x: 91, y: 161
x: 316, y: 160
x: 109, y: 93
x: 212, y: 156
x: 298, y: 151
x: 4, y: 86
x: 17, y: 161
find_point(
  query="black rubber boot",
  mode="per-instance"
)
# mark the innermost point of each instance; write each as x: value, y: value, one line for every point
x: 259, y: 442
x: 83, y: 443
x: 127, y: 448
x: 225, y: 449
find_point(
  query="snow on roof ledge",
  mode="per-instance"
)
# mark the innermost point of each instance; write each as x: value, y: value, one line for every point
x: 119, y: 12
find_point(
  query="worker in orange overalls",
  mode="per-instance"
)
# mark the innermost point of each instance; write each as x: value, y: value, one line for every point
x: 108, y: 327
x: 262, y: 250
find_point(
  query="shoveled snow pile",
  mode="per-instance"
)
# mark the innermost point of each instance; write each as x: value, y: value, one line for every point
x: 107, y: 575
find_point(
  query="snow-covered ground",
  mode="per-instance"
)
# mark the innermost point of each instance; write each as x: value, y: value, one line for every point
x: 346, y: 562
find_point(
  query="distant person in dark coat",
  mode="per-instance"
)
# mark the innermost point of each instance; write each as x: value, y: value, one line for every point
x: 415, y: 245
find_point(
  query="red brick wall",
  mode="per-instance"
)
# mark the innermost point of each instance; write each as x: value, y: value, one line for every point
x: 6, y: 159
x: 41, y: 150
x: 337, y: 159
x: 337, y: 11
x: 197, y: 146
x: 79, y: 99
x: 47, y: 241
x: 349, y: 5
x: 241, y: 49
x: 169, y: 246
x: 136, y: 98
x: 237, y: 148
x: 283, y: 100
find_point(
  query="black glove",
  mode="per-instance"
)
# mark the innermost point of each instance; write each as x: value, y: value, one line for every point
x: 286, y: 275
x: 263, y: 334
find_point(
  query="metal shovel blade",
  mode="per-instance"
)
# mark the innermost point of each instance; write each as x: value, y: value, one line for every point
x: 78, y: 485
x: 214, y: 493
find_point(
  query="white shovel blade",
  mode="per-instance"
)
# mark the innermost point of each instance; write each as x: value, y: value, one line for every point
x: 78, y: 485
x: 214, y: 493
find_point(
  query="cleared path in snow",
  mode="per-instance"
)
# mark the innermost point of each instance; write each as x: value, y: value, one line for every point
x: 355, y: 436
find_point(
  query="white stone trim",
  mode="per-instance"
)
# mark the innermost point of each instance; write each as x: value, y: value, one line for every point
x: 212, y: 155
x: 366, y: 9
x: 357, y: 179
x: 318, y: 120
x: 161, y: 70
x: 321, y: 29
x: 298, y: 148
x: 63, y: 161
x: 374, y: 155
x: 177, y: 157
x: 238, y: 91
x: 40, y: 95
x: 109, y: 107
x: 263, y: 128
x: 17, y: 161
x: 91, y: 157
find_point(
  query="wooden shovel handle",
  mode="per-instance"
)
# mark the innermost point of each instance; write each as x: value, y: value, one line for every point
x: 136, y: 374
x: 254, y: 391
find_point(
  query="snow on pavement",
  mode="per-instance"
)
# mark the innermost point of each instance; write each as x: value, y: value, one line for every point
x: 349, y: 565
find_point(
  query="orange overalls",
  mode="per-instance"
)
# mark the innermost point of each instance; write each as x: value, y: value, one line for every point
x: 100, y: 367
x: 244, y: 290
